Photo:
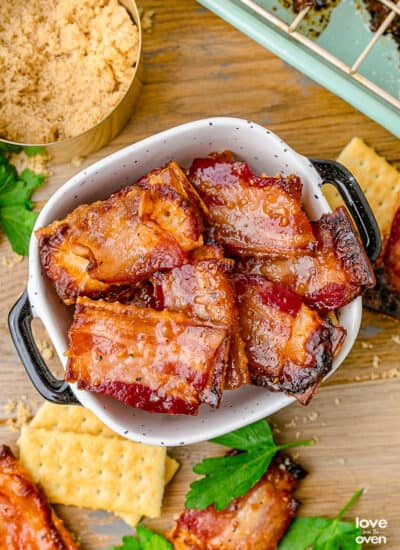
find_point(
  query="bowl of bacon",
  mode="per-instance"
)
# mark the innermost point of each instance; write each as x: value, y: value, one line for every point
x: 196, y: 281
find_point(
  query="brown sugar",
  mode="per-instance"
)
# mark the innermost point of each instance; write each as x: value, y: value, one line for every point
x: 64, y: 65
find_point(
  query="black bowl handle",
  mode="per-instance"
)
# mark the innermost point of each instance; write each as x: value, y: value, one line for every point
x: 336, y: 174
x: 49, y: 387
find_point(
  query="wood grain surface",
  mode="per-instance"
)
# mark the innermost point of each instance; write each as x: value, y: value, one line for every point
x: 197, y: 66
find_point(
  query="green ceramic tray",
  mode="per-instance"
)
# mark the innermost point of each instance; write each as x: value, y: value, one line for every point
x: 345, y: 36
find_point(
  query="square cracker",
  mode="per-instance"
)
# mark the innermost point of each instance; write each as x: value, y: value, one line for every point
x: 171, y: 467
x: 94, y: 471
x: 379, y: 180
x: 72, y: 418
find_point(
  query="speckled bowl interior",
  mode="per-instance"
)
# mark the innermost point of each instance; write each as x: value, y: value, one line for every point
x: 265, y: 152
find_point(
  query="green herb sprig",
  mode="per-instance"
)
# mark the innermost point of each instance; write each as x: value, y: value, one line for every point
x: 323, y: 534
x: 228, y: 477
x: 145, y: 540
x: 16, y: 209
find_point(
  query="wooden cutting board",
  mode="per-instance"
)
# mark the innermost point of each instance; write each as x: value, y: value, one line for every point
x: 197, y: 66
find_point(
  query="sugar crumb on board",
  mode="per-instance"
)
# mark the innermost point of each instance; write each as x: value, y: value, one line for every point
x: 376, y: 360
x: 38, y: 163
x: 46, y: 349
x: 76, y: 162
x: 366, y: 345
x: 10, y: 406
x: 21, y: 413
x: 396, y: 338
x: 146, y: 17
x: 10, y: 261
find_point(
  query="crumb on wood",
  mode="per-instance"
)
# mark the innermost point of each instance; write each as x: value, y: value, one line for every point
x: 366, y: 345
x: 77, y: 161
x: 396, y: 338
x: 291, y: 424
x: 22, y: 415
x: 375, y: 361
x: 46, y: 349
x: 337, y: 401
x: 11, y: 261
x: 37, y: 163
x: 147, y: 20
x: 392, y: 373
x: 10, y: 406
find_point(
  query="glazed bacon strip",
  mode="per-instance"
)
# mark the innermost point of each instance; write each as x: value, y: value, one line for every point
x: 255, y: 521
x: 153, y: 360
x: 337, y: 273
x: 385, y: 296
x: 289, y: 346
x: 104, y: 249
x: 203, y: 289
x: 26, y: 519
x: 252, y: 215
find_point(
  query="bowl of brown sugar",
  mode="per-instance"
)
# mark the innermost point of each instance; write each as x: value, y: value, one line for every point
x: 69, y: 73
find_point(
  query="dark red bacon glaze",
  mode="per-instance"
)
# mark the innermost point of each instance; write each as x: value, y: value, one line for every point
x: 385, y: 296
x: 158, y: 361
x: 255, y: 521
x: 203, y: 289
x: 289, y: 347
x: 27, y: 522
x: 249, y: 214
x: 108, y: 246
x: 337, y: 273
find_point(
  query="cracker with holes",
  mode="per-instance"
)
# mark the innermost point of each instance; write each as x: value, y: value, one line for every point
x: 379, y: 180
x: 94, y: 471
x: 381, y: 184
x: 69, y: 418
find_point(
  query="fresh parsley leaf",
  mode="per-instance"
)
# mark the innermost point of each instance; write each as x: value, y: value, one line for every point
x: 10, y: 147
x: 18, y: 192
x: 17, y: 223
x: 323, y: 534
x: 232, y: 476
x: 145, y: 540
x: 16, y: 216
x: 8, y: 175
x: 33, y: 150
x: 128, y: 543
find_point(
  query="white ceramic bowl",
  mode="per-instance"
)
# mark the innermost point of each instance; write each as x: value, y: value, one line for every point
x: 265, y: 152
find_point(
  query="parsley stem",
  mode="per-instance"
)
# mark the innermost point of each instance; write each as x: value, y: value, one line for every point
x: 353, y: 499
x: 305, y: 443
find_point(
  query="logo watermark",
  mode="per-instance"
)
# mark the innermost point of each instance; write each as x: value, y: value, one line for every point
x: 371, y: 531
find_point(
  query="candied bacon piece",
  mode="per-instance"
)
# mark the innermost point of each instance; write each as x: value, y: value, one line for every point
x: 385, y: 296
x: 337, y: 273
x: 27, y: 522
x: 203, y: 289
x: 255, y: 521
x: 288, y: 345
x: 391, y: 258
x: 109, y: 246
x: 154, y: 360
x: 252, y: 215
x: 173, y: 203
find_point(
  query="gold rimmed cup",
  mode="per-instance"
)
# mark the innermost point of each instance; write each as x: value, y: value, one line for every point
x: 104, y: 131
